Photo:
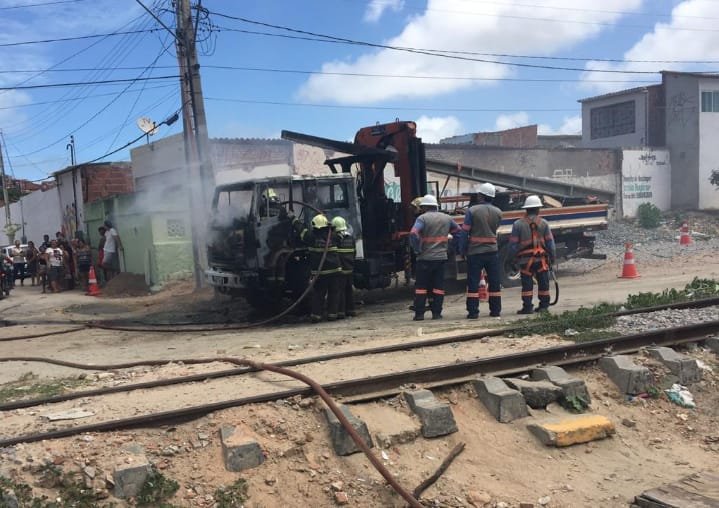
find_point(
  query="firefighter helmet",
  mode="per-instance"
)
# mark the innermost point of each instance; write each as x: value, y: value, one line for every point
x: 319, y: 221
x: 532, y: 202
x: 429, y: 200
x: 339, y: 224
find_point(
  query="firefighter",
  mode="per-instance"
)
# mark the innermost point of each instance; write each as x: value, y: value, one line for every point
x: 532, y: 244
x: 429, y: 238
x: 324, y: 291
x: 345, y: 244
x: 481, y: 222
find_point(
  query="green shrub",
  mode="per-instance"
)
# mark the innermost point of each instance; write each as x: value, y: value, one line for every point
x: 648, y: 215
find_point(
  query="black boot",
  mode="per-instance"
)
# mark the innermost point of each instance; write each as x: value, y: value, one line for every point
x: 526, y: 310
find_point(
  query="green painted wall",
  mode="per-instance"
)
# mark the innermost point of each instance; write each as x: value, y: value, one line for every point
x: 156, y: 244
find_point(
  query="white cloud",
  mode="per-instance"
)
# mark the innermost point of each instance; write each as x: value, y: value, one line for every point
x: 666, y: 42
x: 376, y: 8
x: 454, y: 25
x: 570, y: 125
x: 505, y: 122
x: 433, y: 128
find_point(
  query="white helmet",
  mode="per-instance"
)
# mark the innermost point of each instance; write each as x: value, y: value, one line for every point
x: 487, y: 189
x: 532, y: 202
x: 429, y: 200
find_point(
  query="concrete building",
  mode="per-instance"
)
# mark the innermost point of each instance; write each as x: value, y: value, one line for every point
x: 680, y: 114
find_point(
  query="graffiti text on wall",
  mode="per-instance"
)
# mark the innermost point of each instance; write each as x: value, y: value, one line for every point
x: 637, y: 187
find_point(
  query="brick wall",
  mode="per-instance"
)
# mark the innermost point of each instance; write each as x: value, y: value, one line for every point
x: 104, y: 180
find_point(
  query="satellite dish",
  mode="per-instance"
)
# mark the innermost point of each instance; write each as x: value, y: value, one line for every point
x: 146, y: 125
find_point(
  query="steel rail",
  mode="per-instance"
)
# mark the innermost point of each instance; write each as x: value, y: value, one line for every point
x: 392, y: 348
x: 389, y: 384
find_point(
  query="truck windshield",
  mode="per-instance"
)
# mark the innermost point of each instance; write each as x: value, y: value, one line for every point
x: 232, y: 205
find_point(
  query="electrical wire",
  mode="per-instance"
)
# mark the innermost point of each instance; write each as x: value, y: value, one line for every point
x: 318, y: 37
x: 39, y: 4
x: 83, y: 83
x: 386, y: 108
x: 76, y: 38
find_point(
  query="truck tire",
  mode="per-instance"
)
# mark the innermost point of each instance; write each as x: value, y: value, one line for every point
x: 509, y: 271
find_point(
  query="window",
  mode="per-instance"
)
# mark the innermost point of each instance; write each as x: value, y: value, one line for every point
x: 614, y: 120
x: 333, y: 195
x: 175, y: 228
x: 710, y: 102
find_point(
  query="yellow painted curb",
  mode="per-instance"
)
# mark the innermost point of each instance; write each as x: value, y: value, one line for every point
x: 582, y: 429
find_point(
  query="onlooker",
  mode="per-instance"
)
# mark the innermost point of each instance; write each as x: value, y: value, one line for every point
x: 83, y: 255
x: 112, y: 248
x: 31, y: 258
x: 18, y: 262
x: 55, y: 256
x: 45, y: 243
x: 101, y: 251
x: 42, y: 266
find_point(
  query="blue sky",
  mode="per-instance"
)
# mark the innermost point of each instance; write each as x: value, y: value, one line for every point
x: 354, y: 85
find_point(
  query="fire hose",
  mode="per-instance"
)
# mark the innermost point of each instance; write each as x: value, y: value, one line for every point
x: 327, y: 399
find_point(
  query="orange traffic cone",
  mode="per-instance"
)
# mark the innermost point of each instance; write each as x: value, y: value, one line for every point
x: 684, y: 238
x: 483, y: 292
x: 629, y: 271
x: 92, y: 288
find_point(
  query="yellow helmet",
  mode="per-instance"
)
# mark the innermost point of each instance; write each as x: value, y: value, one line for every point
x: 339, y: 224
x: 319, y: 221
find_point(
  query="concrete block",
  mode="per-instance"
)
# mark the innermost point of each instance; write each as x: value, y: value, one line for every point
x: 713, y: 344
x: 341, y: 440
x: 571, y: 431
x: 504, y: 403
x: 8, y: 500
x: 630, y: 378
x: 685, y: 368
x: 436, y: 417
x: 130, y: 477
x: 571, y: 386
x: 388, y: 426
x: 239, y: 451
x: 537, y: 394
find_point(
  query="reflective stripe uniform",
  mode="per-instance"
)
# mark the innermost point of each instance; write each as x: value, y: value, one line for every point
x: 481, y: 222
x: 429, y: 238
x: 532, y: 243
x: 326, y: 286
x: 345, y: 244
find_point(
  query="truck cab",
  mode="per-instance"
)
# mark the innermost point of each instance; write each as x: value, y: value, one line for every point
x: 253, y: 250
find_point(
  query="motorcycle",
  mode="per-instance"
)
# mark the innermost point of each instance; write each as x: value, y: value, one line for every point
x: 6, y: 277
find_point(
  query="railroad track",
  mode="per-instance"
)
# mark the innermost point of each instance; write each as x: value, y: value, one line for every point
x: 384, y: 385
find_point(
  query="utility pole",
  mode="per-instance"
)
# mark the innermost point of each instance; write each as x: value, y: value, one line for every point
x: 195, y: 135
x: 5, y: 197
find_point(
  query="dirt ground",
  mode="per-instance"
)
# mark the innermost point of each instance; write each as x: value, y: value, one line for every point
x: 502, y: 463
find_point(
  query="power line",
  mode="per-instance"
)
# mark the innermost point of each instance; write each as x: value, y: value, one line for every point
x: 420, y: 76
x: 62, y: 101
x: 83, y: 83
x: 39, y: 4
x: 421, y: 51
x: 562, y: 20
x: 76, y: 38
x: 389, y: 108
x: 159, y: 21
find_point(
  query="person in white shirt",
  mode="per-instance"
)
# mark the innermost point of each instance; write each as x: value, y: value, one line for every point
x: 55, y: 256
x: 113, y: 245
x: 18, y: 261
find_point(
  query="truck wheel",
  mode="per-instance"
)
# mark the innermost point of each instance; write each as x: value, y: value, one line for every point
x: 509, y: 270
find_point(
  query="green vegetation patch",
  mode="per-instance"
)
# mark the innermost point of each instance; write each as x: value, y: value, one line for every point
x: 232, y: 496
x: 156, y: 490
x: 28, y: 386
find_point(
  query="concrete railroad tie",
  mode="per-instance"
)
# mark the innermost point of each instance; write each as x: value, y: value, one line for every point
x: 630, y: 378
x: 538, y: 394
x: 239, y: 450
x: 713, y: 344
x: 572, y: 387
x: 129, y: 478
x: 341, y: 440
x: 685, y: 368
x: 502, y: 402
x: 571, y: 431
x: 436, y: 417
